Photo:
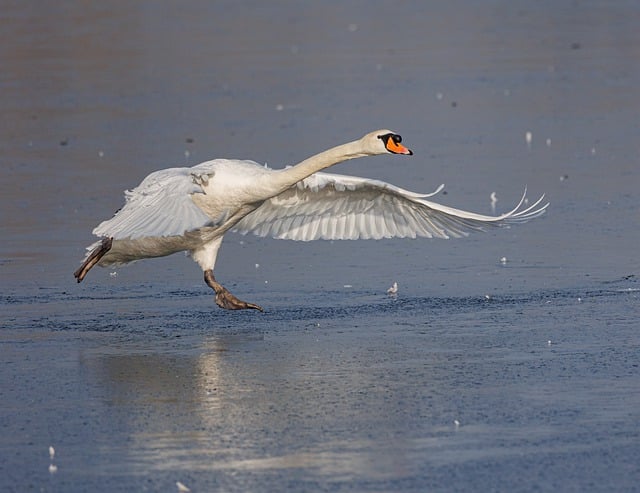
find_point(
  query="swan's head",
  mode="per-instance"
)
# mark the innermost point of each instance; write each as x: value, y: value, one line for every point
x: 383, y: 142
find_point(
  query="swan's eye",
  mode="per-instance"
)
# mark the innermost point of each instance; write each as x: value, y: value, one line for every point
x: 385, y: 138
x: 394, y: 137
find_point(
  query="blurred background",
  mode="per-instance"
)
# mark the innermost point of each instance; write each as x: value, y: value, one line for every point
x: 96, y: 96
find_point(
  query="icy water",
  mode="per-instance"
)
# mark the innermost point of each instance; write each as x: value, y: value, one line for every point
x: 480, y: 375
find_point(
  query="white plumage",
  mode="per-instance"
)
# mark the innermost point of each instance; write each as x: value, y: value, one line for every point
x: 160, y: 206
x: 163, y: 204
x: 190, y: 209
x: 336, y: 207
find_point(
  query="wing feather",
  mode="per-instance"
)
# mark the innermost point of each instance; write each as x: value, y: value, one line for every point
x: 160, y: 206
x: 336, y: 207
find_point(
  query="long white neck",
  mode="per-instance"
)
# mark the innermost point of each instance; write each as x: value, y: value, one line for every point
x: 286, y: 178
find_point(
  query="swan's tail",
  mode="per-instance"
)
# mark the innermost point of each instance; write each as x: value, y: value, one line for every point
x: 100, y: 250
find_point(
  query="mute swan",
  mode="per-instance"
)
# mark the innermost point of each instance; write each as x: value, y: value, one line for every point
x: 190, y: 209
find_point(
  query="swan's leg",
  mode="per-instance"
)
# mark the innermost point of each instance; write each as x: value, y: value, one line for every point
x: 93, y: 258
x: 224, y: 299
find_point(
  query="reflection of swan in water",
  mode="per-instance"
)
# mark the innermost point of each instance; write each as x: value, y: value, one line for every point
x: 190, y: 209
x: 165, y: 402
x: 226, y: 405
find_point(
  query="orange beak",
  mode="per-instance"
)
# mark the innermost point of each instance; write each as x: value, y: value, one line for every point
x: 397, y: 148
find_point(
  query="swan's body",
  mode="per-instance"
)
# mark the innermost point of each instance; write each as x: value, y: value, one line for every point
x: 190, y: 209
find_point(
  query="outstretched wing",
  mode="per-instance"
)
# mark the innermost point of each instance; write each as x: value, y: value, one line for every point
x: 160, y: 206
x: 337, y: 207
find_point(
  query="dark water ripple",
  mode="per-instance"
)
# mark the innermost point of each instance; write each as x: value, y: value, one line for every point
x: 102, y: 309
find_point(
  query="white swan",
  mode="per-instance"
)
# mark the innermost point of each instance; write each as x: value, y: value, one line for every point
x: 190, y: 209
